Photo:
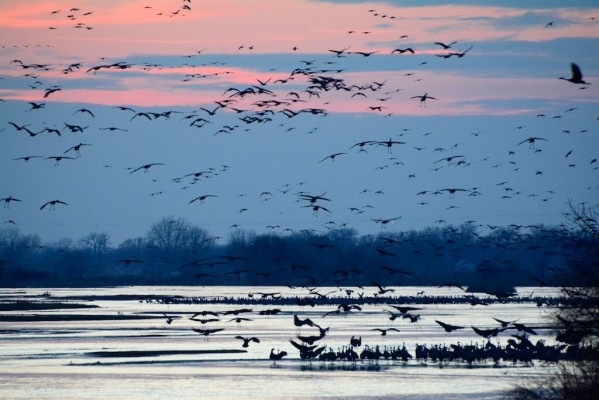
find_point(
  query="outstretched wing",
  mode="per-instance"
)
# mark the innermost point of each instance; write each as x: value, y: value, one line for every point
x: 576, y: 72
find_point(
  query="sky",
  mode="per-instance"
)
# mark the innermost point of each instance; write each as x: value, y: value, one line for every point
x: 298, y: 82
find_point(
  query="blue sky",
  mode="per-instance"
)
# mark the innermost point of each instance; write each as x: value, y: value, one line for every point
x: 501, y: 92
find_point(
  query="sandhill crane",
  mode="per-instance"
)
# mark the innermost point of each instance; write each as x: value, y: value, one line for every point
x: 52, y: 204
x: 207, y: 332
x: 424, y: 98
x: 276, y: 356
x: 246, y: 341
x: 202, y: 198
x: 7, y: 201
x: 384, y: 331
x: 446, y: 46
x: 531, y: 141
x: 448, y: 327
x: 576, y: 76
x: 402, y: 51
x: 145, y: 167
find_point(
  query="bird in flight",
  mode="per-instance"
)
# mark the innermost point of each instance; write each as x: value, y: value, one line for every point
x: 531, y: 141
x: 51, y: 90
x: 385, y: 221
x: 452, y: 191
x: 58, y: 159
x: 26, y: 158
x: 446, y: 46
x: 576, y: 76
x: 84, y: 110
x: 202, y: 198
x: 7, y: 201
x: 145, y: 167
x: 206, y: 332
x: 448, y: 327
x: 332, y: 157
x: 246, y: 341
x: 389, y: 144
x: 384, y: 331
x: 52, y: 204
x: 423, y: 98
x: 448, y: 159
x: 76, y: 148
x: 402, y: 51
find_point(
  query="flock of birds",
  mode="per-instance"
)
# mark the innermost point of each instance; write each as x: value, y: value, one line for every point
x: 244, y: 109
x: 307, y: 92
x: 312, y: 345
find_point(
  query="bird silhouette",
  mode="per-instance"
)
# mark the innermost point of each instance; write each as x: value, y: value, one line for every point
x: 402, y: 51
x: 453, y: 191
x: 531, y: 141
x: 332, y: 157
x: 207, y: 332
x: 504, y: 324
x: 301, y: 322
x: 52, y: 204
x: 446, y: 46
x: 276, y: 356
x: 202, y: 198
x: 58, y: 159
x: 23, y: 128
x: 145, y: 167
x: 424, y: 98
x: 7, y: 201
x: 169, y: 319
x: 51, y: 90
x: 448, y: 327
x: 246, y: 341
x: 84, y: 110
x: 76, y: 148
x: 576, y: 76
x: 487, y: 333
x: 384, y: 331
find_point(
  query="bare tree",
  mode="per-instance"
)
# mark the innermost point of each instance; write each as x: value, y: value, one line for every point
x: 13, y: 243
x: 176, y: 236
x: 97, y: 242
x: 577, y: 319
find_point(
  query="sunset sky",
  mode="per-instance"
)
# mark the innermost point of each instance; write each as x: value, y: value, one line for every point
x: 491, y: 90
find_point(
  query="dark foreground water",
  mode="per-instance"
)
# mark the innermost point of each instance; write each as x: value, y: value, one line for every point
x: 124, y: 348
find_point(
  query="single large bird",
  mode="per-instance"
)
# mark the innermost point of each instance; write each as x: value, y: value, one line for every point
x: 52, y: 204
x: 448, y: 327
x: 576, y: 76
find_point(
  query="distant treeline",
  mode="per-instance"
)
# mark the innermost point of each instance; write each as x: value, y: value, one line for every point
x: 174, y: 252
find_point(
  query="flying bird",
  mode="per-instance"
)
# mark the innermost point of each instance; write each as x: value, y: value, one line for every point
x: 202, y: 198
x: 207, y: 332
x: 531, y: 141
x: 52, y: 204
x: 332, y: 157
x: 246, y: 341
x: 448, y: 327
x: 402, y: 51
x: 576, y: 76
x: 51, y: 90
x: 145, y: 167
x: 384, y: 331
x: 7, y: 201
x: 446, y: 46
x: 423, y: 98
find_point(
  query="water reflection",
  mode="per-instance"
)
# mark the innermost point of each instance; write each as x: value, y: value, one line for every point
x: 125, y: 347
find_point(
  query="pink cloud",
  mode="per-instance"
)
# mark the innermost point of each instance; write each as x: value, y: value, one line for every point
x: 119, y: 28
